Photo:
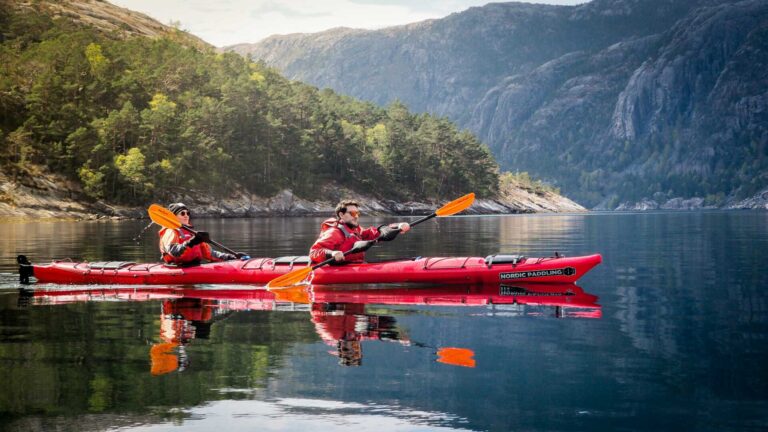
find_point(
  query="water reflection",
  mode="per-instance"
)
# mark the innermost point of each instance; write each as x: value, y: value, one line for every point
x: 339, y: 314
x: 284, y: 414
x: 529, y: 235
x: 681, y: 339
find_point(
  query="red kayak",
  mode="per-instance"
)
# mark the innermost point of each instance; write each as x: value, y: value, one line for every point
x: 493, y: 269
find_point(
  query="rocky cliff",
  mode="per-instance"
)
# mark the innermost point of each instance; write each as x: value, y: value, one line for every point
x: 613, y: 101
x: 40, y: 194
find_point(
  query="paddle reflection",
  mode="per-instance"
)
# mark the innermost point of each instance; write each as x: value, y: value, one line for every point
x: 339, y: 314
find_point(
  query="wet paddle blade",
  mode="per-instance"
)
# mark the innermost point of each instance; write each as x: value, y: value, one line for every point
x: 297, y: 294
x: 290, y: 279
x: 456, y: 205
x: 456, y: 356
x: 163, y: 217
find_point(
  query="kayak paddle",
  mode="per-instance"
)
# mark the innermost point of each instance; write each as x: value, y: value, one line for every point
x: 299, y: 275
x: 165, y: 218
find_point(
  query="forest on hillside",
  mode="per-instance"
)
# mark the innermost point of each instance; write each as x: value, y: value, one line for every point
x: 139, y: 119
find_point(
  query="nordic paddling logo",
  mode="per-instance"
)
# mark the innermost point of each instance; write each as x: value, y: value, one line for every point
x: 567, y: 271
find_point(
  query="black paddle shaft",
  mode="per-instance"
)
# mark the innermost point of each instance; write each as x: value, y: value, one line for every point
x: 424, y: 219
x: 25, y: 269
x: 215, y: 243
x: 360, y: 246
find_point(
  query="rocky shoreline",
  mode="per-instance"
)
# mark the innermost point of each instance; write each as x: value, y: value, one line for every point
x: 50, y: 196
x: 758, y: 201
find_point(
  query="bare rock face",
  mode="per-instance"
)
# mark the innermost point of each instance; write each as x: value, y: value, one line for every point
x: 684, y: 204
x: 49, y: 196
x: 644, y: 205
x: 612, y: 98
x: 40, y: 196
x: 757, y: 201
x: 286, y: 203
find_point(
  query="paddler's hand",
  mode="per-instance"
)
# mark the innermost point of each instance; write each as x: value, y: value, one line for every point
x: 242, y: 256
x: 389, y: 232
x: 200, y: 237
x: 338, y: 256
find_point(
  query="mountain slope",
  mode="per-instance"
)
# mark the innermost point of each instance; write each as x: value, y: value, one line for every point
x: 127, y: 111
x: 105, y: 17
x: 613, y: 100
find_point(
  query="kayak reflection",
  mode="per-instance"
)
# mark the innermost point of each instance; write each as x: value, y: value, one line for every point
x: 339, y: 314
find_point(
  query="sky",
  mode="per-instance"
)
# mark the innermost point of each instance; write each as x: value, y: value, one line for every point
x: 228, y: 22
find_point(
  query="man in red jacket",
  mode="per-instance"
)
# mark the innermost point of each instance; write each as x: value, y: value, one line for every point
x: 339, y: 234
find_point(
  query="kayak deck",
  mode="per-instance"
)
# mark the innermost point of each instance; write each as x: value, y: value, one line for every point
x: 437, y: 270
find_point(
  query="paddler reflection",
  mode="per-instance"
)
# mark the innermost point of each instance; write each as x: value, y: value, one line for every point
x: 339, y: 315
x: 342, y: 326
x: 345, y: 325
x: 181, y: 321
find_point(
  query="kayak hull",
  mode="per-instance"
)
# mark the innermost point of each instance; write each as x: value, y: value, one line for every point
x: 432, y: 270
x: 460, y: 271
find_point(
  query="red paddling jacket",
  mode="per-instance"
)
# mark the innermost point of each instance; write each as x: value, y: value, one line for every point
x: 174, y: 252
x: 335, y: 236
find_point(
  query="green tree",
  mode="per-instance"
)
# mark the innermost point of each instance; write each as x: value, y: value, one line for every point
x: 131, y: 166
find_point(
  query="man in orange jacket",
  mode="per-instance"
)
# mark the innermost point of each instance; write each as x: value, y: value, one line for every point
x: 183, y: 248
x: 339, y: 234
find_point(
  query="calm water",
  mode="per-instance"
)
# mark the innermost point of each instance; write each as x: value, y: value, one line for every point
x: 681, y: 343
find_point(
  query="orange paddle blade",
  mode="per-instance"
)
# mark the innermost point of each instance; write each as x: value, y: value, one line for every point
x: 163, y: 217
x: 298, y: 294
x: 456, y: 205
x: 163, y: 358
x: 290, y: 279
x: 456, y: 356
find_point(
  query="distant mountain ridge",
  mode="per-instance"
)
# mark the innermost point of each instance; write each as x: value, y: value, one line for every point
x: 613, y: 101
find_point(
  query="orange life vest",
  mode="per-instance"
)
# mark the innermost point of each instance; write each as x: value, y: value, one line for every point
x: 191, y: 255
